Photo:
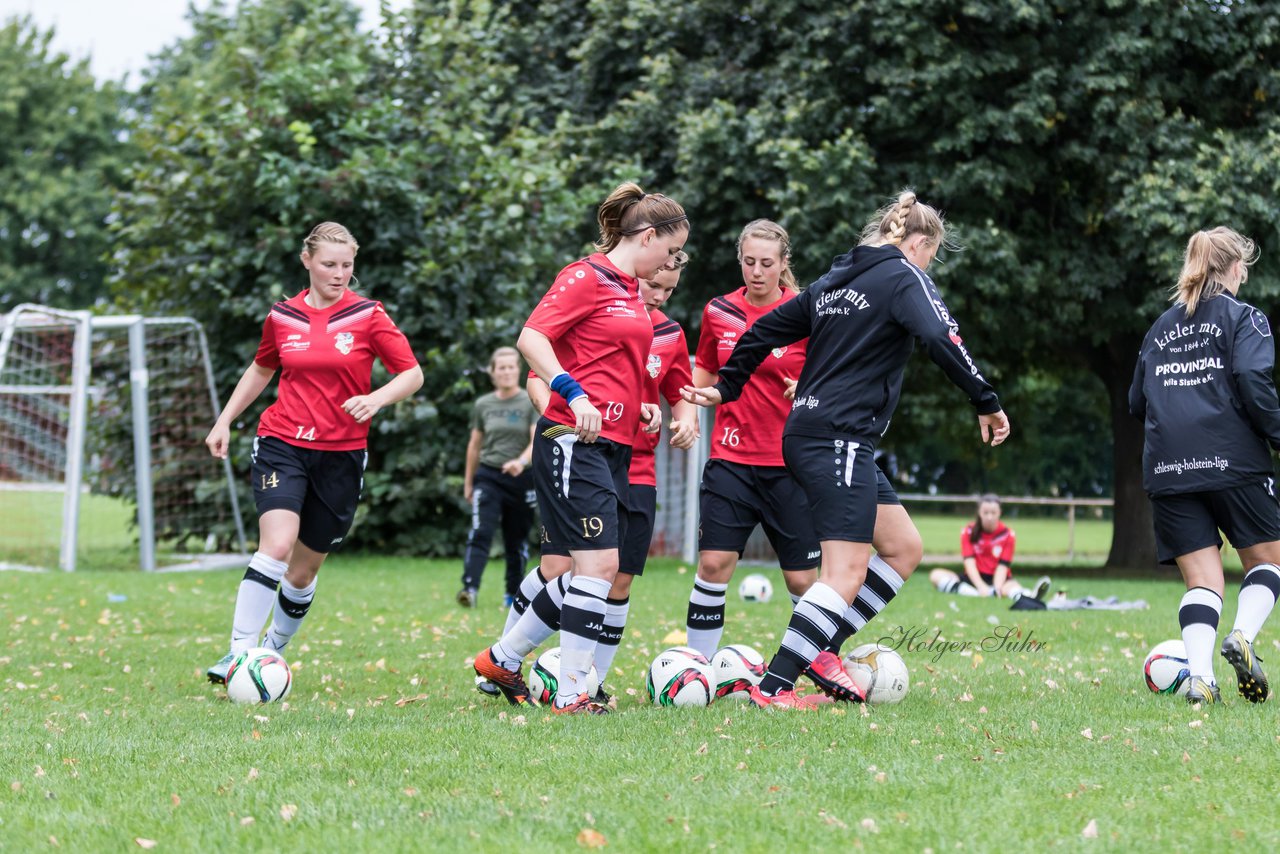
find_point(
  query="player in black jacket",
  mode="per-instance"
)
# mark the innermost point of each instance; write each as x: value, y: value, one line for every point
x: 1203, y: 387
x: 860, y: 319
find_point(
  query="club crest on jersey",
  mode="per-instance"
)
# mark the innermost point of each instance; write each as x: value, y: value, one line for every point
x: 779, y: 352
x: 655, y: 365
x: 344, y: 341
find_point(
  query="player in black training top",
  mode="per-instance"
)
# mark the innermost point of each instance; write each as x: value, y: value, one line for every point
x: 1204, y: 389
x: 860, y: 319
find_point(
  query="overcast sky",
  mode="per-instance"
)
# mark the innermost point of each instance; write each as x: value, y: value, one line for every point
x: 118, y: 35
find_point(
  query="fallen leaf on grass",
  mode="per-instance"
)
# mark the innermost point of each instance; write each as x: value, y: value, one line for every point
x: 288, y: 811
x: 701, y: 751
x: 246, y: 821
x: 145, y: 843
x: 252, y: 775
x: 589, y: 837
x: 1087, y: 732
x: 1090, y: 830
x: 676, y: 636
x: 404, y: 701
x: 175, y: 800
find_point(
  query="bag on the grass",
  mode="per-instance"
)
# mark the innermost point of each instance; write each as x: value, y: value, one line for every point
x: 1027, y: 603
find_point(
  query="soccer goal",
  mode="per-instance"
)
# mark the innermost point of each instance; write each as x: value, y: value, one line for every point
x: 102, y: 457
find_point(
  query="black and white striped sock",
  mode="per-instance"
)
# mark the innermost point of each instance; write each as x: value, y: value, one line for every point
x: 704, y: 622
x: 256, y: 596
x: 615, y: 624
x: 1198, y: 615
x: 877, y: 591
x: 1258, y: 594
x: 581, y: 621
x: 539, y: 621
x: 530, y: 587
x: 292, y: 604
x: 812, y: 625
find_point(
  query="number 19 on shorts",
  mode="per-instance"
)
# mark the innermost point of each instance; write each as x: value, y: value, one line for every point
x: 592, y: 526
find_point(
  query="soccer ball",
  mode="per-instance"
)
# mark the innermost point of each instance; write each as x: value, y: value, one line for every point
x: 1166, y: 668
x: 259, y: 675
x: 736, y: 668
x: 755, y: 588
x: 544, y: 677
x: 676, y: 678
x: 879, y: 671
x: 691, y: 652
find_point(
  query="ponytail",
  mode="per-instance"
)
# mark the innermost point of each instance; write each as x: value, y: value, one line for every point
x: 975, y: 533
x: 1207, y: 264
x: 902, y: 218
x: 630, y: 210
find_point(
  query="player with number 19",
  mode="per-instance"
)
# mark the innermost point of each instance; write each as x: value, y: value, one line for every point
x: 309, y: 452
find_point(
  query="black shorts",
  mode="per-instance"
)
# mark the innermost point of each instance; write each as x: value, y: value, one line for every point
x: 322, y: 487
x: 582, y: 489
x: 842, y: 482
x: 641, y: 508
x: 735, y: 497
x: 1248, y: 514
x: 885, y: 493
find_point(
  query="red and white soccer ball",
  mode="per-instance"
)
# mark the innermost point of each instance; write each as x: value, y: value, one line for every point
x: 879, y: 671
x: 681, y: 677
x: 1166, y: 669
x: 736, y: 668
x: 755, y: 588
x: 259, y: 675
x: 544, y: 677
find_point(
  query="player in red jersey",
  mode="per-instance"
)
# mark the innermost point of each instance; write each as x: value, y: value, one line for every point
x: 542, y: 591
x: 987, y: 545
x: 589, y: 339
x: 745, y: 482
x: 309, y: 453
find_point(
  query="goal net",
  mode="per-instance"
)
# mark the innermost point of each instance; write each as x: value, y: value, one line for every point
x: 102, y: 457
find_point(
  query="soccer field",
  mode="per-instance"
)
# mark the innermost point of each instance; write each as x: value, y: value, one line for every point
x: 110, y: 733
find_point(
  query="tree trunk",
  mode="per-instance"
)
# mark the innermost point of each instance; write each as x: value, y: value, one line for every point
x: 1133, y: 543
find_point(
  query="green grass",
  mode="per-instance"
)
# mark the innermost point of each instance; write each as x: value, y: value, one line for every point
x: 109, y: 733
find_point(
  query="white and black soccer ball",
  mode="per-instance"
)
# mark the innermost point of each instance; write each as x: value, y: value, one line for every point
x: 259, y: 675
x: 1166, y: 669
x: 736, y: 669
x: 879, y: 671
x: 544, y: 677
x: 755, y: 588
x: 677, y: 678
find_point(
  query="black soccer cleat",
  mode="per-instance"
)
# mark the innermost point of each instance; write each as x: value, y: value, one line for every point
x: 1202, y: 692
x: 1249, y: 676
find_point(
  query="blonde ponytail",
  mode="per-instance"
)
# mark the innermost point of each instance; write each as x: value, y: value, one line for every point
x: 902, y: 218
x: 1207, y: 263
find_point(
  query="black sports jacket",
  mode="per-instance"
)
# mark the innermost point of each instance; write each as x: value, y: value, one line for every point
x: 1203, y: 387
x: 860, y: 319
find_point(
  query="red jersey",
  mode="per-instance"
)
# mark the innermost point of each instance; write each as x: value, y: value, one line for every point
x: 665, y: 373
x: 601, y: 334
x: 990, y: 550
x: 325, y: 357
x: 748, y: 430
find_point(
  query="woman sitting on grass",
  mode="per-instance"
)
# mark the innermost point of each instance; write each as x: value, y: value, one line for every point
x: 986, y: 545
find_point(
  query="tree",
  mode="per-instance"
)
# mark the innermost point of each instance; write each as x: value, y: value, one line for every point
x: 1075, y: 148
x: 283, y: 114
x: 62, y: 149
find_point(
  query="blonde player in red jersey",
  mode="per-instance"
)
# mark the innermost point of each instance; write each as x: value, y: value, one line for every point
x: 309, y: 453
x: 588, y: 339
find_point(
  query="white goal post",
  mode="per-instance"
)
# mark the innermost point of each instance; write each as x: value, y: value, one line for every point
x: 111, y: 410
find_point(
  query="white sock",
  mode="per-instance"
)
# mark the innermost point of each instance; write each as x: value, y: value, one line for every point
x: 1198, y: 615
x: 615, y: 624
x: 581, y: 620
x: 539, y: 621
x: 1258, y: 593
x: 704, y: 624
x: 292, y: 605
x: 530, y: 587
x: 254, y: 600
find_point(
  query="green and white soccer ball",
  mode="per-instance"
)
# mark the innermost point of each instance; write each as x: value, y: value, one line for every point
x: 544, y: 678
x: 259, y: 675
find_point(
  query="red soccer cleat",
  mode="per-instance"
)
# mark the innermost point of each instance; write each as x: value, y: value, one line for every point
x: 782, y: 700
x: 511, y: 684
x: 828, y: 673
x: 584, y: 705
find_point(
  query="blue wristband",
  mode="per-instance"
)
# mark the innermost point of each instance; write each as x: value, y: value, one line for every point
x: 567, y: 387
